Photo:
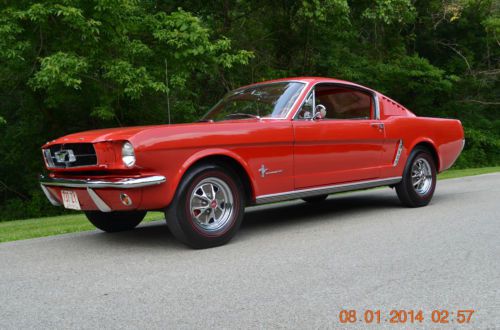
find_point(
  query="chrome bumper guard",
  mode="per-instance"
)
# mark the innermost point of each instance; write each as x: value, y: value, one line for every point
x: 90, y: 185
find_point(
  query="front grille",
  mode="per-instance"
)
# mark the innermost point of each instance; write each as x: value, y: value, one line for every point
x: 70, y: 155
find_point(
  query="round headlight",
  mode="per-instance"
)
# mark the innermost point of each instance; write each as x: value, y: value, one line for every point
x: 128, y: 154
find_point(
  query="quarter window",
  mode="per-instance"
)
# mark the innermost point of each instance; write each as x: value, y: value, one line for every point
x: 343, y: 103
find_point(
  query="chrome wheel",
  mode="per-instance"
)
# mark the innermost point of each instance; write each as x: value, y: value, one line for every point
x: 421, y: 176
x: 211, y: 204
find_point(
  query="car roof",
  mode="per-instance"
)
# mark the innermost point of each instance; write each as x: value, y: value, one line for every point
x: 308, y: 80
x: 314, y: 80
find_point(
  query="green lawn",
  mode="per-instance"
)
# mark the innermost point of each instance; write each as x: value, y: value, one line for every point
x: 468, y: 172
x: 31, y: 228
x: 63, y: 224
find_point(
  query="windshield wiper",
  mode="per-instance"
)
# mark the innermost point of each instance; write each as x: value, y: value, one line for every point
x: 205, y: 121
x: 241, y: 114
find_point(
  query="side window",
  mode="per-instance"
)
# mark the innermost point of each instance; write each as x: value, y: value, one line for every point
x: 306, y: 111
x: 344, y: 103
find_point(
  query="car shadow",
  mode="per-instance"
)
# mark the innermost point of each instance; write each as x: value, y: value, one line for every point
x: 153, y: 234
x: 278, y: 216
x: 335, y: 207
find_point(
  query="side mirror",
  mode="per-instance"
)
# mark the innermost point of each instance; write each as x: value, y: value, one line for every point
x: 319, y: 112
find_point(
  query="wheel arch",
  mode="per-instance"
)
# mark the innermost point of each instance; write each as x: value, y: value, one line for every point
x: 225, y: 159
x: 431, y: 147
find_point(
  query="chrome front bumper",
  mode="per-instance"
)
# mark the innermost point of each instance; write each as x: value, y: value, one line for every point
x: 96, y: 184
x: 90, y: 185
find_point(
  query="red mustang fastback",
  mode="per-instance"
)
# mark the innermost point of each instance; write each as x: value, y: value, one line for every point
x: 267, y: 142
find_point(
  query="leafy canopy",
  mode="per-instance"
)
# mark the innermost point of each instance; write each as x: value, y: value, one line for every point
x: 72, y: 65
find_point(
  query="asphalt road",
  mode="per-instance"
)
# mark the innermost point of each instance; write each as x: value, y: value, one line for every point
x: 292, y: 265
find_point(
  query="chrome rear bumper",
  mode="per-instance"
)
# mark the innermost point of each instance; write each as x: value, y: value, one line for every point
x: 89, y: 184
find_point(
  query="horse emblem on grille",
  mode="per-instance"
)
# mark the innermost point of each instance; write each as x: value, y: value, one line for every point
x: 65, y: 156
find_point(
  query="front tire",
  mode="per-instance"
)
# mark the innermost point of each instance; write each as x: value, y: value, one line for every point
x: 112, y: 222
x: 208, y: 207
x: 419, y: 179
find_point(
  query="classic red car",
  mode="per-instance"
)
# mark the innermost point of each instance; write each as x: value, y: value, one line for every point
x: 267, y: 142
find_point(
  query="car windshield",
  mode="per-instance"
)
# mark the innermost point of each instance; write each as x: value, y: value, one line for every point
x: 265, y: 101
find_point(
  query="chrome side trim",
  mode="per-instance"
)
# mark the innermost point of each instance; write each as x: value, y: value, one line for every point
x: 263, y: 199
x: 398, y: 153
x: 49, y: 196
x: 101, y: 205
x: 126, y: 183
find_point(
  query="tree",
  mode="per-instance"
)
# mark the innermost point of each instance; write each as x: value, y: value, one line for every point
x: 68, y: 66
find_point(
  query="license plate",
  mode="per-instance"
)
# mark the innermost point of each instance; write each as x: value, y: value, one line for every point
x: 70, y: 200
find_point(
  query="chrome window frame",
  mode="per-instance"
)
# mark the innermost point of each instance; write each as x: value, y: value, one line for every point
x: 372, y: 93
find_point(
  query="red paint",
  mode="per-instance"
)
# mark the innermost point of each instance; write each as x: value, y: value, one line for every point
x: 305, y: 153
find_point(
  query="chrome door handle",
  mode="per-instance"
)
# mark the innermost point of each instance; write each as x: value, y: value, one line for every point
x: 377, y: 125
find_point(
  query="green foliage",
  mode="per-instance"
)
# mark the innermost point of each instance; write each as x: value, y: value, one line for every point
x: 131, y: 81
x: 391, y: 12
x: 320, y: 10
x: 67, y: 66
x: 59, y: 69
x: 425, y: 84
x: 480, y: 149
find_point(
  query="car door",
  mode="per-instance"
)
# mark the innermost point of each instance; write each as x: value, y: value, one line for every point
x: 345, y: 145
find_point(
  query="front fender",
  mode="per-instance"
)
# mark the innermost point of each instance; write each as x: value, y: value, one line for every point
x: 212, y: 152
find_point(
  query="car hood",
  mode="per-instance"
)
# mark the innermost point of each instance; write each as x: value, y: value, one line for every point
x: 109, y: 134
x: 167, y: 133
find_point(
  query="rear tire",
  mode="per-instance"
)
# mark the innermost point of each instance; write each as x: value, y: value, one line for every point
x: 419, y: 179
x: 112, y: 222
x: 208, y: 208
x: 315, y: 199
